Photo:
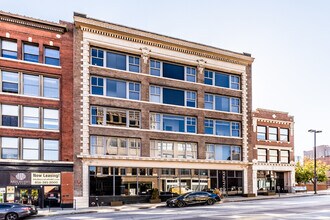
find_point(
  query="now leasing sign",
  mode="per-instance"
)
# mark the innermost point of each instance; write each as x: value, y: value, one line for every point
x: 46, y: 178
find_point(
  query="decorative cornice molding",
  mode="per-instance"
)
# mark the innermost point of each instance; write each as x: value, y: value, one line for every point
x: 161, y: 41
x: 145, y: 54
x: 32, y: 22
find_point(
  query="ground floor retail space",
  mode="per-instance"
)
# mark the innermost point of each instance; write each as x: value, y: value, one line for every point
x: 37, y: 185
x: 134, y: 184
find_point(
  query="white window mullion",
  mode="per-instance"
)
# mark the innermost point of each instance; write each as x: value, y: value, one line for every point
x: 127, y: 118
x: 161, y: 122
x: 104, y: 58
x: 127, y: 62
x: 185, y: 98
x: 161, y: 95
x: 161, y: 69
x: 127, y: 89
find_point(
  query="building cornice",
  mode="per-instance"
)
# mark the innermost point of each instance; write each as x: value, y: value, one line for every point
x: 161, y: 41
x: 32, y: 22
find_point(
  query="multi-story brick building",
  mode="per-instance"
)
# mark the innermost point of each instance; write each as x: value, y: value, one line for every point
x: 272, y: 149
x: 152, y: 111
x: 36, y: 162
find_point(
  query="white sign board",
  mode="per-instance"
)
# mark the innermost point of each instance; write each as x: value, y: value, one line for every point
x: 45, y: 178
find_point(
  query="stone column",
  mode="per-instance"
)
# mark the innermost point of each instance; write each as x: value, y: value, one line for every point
x: 145, y: 55
x: 244, y: 106
x: 200, y: 71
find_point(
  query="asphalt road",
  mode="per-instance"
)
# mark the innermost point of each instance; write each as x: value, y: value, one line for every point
x: 312, y: 207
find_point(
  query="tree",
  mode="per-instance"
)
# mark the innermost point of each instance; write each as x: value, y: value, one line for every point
x: 305, y: 172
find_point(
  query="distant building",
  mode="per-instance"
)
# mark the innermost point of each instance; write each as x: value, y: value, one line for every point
x: 322, y: 151
x: 272, y: 151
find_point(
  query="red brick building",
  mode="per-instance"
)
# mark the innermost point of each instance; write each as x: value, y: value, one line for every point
x: 36, y: 157
x: 272, y: 152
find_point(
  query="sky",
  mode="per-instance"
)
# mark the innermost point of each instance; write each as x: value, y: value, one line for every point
x: 289, y: 39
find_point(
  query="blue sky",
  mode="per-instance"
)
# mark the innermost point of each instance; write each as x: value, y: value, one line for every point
x: 290, y: 41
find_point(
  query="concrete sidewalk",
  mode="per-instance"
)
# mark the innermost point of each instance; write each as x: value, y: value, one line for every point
x: 132, y: 207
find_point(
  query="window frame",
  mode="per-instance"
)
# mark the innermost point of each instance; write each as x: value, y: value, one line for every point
x: 10, y: 81
x: 24, y: 52
x: 285, y: 156
x: 273, y: 156
x: 55, y: 58
x: 232, y: 104
x: 216, y: 122
x: 264, y: 134
x: 9, y: 147
x: 271, y: 134
x: 230, y: 79
x: 31, y: 85
x: 11, y: 51
x: 26, y: 117
x: 284, y: 135
x: 211, y: 152
x: 153, y: 124
x: 51, y: 119
x: 262, y: 152
x: 29, y: 148
x: 53, y: 151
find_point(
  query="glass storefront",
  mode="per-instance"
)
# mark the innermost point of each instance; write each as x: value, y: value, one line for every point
x: 270, y: 181
x: 126, y: 181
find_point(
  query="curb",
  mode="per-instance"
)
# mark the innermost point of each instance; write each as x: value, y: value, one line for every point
x: 71, y: 213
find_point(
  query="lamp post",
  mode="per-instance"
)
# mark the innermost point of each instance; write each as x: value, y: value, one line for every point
x: 315, y: 175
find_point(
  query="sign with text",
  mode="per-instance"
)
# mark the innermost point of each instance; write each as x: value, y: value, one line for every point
x: 20, y: 178
x: 46, y: 179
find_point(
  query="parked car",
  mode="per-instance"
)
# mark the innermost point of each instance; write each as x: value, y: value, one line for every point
x: 193, y: 198
x: 14, y: 211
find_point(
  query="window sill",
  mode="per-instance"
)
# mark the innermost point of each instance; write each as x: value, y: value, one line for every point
x: 27, y: 62
x: 29, y: 129
x: 28, y: 96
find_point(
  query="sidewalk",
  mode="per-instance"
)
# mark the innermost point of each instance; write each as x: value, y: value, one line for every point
x: 130, y: 207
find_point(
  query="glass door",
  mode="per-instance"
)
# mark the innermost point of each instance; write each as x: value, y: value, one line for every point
x: 29, y: 196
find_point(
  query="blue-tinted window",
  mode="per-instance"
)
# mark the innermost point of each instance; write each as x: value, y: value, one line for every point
x: 51, y: 87
x: 173, y: 123
x: 9, y: 82
x: 97, y: 85
x: 173, y: 96
x: 134, y: 91
x: 222, y: 80
x: 52, y: 56
x: 116, y: 61
x: 190, y: 74
x: 208, y: 101
x: 222, y: 152
x: 208, y: 126
x: 10, y: 115
x: 208, y: 77
x: 134, y: 64
x: 9, y: 49
x: 191, y: 125
x: 222, y: 103
x: 116, y: 88
x: 234, y: 82
x: 222, y: 128
x: 173, y: 71
x: 235, y: 105
x: 154, y: 68
x: 31, y: 85
x: 31, y: 53
x: 191, y: 99
x: 97, y: 57
x: 235, y: 129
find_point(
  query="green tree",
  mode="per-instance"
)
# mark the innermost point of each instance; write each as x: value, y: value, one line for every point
x: 305, y: 172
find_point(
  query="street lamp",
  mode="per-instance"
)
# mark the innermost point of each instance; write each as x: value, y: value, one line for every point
x: 315, y: 175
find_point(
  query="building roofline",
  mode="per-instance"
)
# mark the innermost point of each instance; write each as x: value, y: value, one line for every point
x: 82, y: 18
x: 32, y: 22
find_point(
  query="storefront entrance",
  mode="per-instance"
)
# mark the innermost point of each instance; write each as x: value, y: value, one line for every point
x: 29, y: 196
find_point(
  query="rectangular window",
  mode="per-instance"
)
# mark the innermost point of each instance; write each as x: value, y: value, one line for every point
x: 30, y: 149
x: 284, y: 134
x: 134, y: 64
x: 51, y: 87
x: 221, y: 79
x: 51, y: 119
x: 134, y: 91
x: 31, y: 85
x: 172, y: 123
x: 51, y: 150
x: 191, y: 99
x: 272, y: 134
x: 116, y: 88
x: 222, y: 128
x: 9, y: 49
x: 155, y: 94
x: 284, y: 156
x: 31, y: 53
x: 9, y: 82
x: 134, y: 119
x: 167, y: 149
x: 261, y: 133
x: 9, y: 147
x: 97, y: 57
x: 155, y: 68
x: 30, y: 117
x: 173, y: 97
x: 223, y: 152
x: 190, y: 74
x: 222, y: 103
x: 52, y: 56
x: 262, y: 155
x: 173, y: 71
x: 97, y: 115
x: 10, y: 115
x: 273, y: 156
x: 208, y: 124
x: 97, y: 85
x: 115, y: 146
x: 116, y: 60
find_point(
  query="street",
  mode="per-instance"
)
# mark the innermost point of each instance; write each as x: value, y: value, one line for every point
x: 311, y: 207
